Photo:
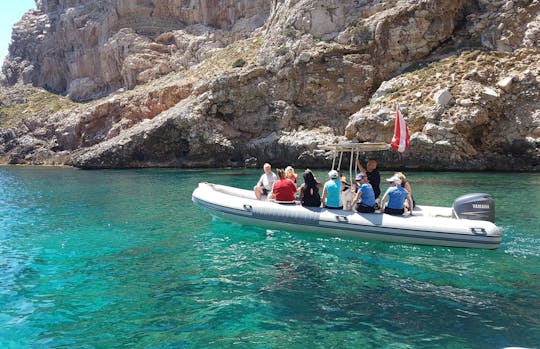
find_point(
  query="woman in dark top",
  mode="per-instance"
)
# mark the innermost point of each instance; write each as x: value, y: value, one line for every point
x: 309, y: 191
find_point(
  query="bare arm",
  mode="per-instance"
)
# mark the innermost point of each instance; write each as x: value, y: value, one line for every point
x: 259, y: 183
x: 356, y: 198
x: 360, y: 167
x: 411, y: 207
x: 323, y: 197
x: 408, y: 188
x: 383, y: 201
x: 271, y: 192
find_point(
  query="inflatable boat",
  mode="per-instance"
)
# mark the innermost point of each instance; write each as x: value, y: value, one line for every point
x: 468, y: 223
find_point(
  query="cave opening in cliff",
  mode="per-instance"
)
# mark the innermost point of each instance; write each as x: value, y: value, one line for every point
x: 476, y: 137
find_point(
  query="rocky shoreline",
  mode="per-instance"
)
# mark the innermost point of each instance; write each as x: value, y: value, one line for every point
x: 221, y: 85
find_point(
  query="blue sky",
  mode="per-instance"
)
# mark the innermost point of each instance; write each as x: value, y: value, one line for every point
x: 11, y: 12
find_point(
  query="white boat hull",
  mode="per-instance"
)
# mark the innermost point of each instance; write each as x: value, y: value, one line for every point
x: 428, y: 226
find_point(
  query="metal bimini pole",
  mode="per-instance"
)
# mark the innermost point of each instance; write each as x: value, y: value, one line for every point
x: 357, y: 154
x: 350, y: 168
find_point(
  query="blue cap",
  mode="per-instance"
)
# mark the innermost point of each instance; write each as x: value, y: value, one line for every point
x: 360, y: 176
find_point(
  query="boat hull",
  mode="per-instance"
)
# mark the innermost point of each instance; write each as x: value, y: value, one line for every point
x: 429, y: 226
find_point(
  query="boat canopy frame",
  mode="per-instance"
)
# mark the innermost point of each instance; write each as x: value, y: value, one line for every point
x: 354, y: 149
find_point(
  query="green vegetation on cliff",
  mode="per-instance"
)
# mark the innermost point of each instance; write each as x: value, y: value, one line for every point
x: 22, y: 102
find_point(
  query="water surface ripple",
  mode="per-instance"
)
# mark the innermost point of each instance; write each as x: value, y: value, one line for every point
x: 114, y: 259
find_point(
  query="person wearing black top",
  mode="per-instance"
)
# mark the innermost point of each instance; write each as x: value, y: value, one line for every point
x: 309, y: 191
x: 373, y: 175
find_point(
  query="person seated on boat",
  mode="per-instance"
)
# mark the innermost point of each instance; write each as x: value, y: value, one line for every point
x: 265, y: 183
x: 344, y: 184
x: 373, y: 175
x: 331, y: 196
x: 396, y: 196
x: 309, y: 190
x: 284, y: 190
x: 365, y: 196
x: 290, y: 174
x: 348, y: 192
x: 405, y: 184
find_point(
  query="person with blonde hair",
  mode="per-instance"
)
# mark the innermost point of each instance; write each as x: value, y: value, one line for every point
x: 405, y: 184
x: 290, y: 174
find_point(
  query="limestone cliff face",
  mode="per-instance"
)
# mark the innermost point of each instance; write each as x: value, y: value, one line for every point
x: 87, y: 49
x: 234, y: 83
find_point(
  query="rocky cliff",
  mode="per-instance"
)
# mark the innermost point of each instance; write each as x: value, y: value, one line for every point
x: 117, y: 83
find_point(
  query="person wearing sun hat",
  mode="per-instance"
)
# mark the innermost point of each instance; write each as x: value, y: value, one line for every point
x: 396, y: 196
x: 365, y: 196
x: 331, y: 195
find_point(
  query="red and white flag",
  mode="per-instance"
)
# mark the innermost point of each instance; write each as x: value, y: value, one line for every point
x: 400, y: 140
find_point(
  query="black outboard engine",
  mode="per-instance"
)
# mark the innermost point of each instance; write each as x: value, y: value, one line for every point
x: 474, y: 206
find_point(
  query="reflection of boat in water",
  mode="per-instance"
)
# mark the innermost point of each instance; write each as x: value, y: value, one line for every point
x: 469, y: 223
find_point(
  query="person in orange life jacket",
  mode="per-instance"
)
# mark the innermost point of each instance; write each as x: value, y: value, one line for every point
x: 284, y: 190
x: 265, y: 183
x: 365, y: 197
x: 396, y: 196
x: 331, y: 196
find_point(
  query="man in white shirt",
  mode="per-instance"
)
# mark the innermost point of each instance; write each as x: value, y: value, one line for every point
x: 265, y: 183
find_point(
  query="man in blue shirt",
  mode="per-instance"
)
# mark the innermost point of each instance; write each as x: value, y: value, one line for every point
x: 396, y: 196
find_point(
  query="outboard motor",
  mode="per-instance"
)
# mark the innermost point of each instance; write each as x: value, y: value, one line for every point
x: 474, y: 206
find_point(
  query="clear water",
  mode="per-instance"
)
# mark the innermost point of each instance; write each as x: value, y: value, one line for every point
x: 114, y: 259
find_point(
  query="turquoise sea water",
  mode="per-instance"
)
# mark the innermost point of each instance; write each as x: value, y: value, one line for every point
x: 116, y: 259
